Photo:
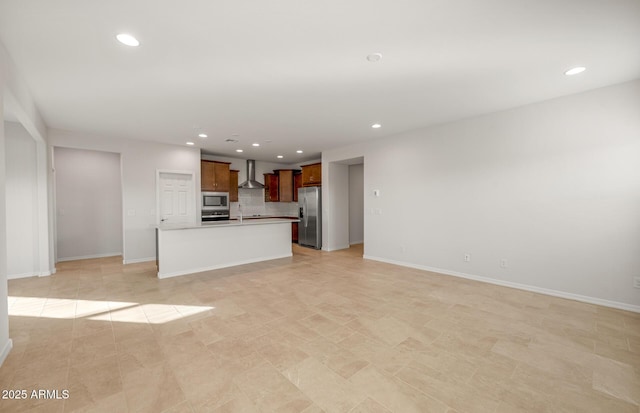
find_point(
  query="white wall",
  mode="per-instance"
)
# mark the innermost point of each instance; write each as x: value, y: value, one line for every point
x: 140, y: 160
x: 5, y: 342
x: 15, y: 93
x: 552, y: 187
x: 356, y: 204
x: 335, y: 208
x: 88, y: 203
x: 21, y: 193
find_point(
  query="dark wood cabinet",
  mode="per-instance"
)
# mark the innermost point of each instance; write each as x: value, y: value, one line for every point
x: 294, y: 232
x: 206, y: 176
x: 214, y: 176
x: 271, y: 191
x: 285, y: 185
x: 312, y: 174
x: 282, y: 185
x: 233, y: 185
x: 297, y: 183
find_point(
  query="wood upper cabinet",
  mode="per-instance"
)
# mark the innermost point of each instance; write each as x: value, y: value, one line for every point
x: 297, y: 183
x: 221, y: 176
x: 214, y: 176
x: 285, y: 185
x: 312, y: 174
x: 271, y: 188
x: 233, y: 185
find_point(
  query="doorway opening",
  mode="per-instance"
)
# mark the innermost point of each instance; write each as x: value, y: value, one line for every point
x: 88, y: 204
x: 345, y: 229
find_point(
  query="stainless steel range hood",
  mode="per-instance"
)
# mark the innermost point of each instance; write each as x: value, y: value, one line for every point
x: 251, y: 182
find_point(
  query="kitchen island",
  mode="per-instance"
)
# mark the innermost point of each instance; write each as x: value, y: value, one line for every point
x: 190, y: 248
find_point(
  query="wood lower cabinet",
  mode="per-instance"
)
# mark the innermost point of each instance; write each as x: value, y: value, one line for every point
x: 214, y: 176
x: 294, y: 232
x: 233, y: 185
x: 271, y: 191
x: 312, y: 174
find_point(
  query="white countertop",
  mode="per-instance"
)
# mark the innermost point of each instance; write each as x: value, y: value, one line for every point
x: 230, y: 223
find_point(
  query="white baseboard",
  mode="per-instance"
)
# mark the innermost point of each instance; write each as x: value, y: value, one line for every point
x: 137, y: 260
x: 356, y: 242
x: 30, y: 274
x: 23, y: 275
x: 337, y: 248
x: 217, y: 267
x: 525, y: 287
x: 88, y: 257
x: 5, y: 351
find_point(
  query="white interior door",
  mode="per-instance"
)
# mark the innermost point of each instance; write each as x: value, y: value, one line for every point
x: 176, y: 198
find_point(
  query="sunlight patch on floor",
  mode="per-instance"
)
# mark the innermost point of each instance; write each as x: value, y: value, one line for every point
x: 118, y: 311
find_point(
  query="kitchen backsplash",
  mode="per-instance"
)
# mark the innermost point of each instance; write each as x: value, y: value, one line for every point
x: 252, y: 202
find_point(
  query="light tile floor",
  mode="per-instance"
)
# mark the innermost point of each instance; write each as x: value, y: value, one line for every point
x: 318, y: 332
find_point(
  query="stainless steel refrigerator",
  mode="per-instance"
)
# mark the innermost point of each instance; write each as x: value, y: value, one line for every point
x: 310, y: 214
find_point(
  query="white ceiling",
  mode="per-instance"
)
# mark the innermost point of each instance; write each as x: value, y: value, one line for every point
x: 294, y: 72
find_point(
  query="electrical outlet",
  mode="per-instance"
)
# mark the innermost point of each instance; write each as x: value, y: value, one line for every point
x: 467, y: 257
x: 504, y: 263
x: 636, y: 282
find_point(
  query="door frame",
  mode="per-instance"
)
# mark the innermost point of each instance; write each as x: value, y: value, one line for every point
x: 192, y: 174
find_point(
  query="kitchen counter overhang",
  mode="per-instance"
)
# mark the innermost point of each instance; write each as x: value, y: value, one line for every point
x: 191, y: 248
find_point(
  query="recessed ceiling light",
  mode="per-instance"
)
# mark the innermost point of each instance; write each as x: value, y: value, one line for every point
x: 255, y: 144
x: 374, y: 57
x: 239, y: 150
x: 299, y: 151
x: 128, y: 40
x: 190, y: 143
x: 280, y: 157
x: 575, y: 71
x: 202, y: 135
x: 376, y: 126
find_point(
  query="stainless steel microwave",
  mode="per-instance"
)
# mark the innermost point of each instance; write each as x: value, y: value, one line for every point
x: 215, y: 201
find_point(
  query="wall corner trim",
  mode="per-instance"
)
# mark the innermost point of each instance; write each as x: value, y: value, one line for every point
x: 525, y: 287
x: 6, y: 350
